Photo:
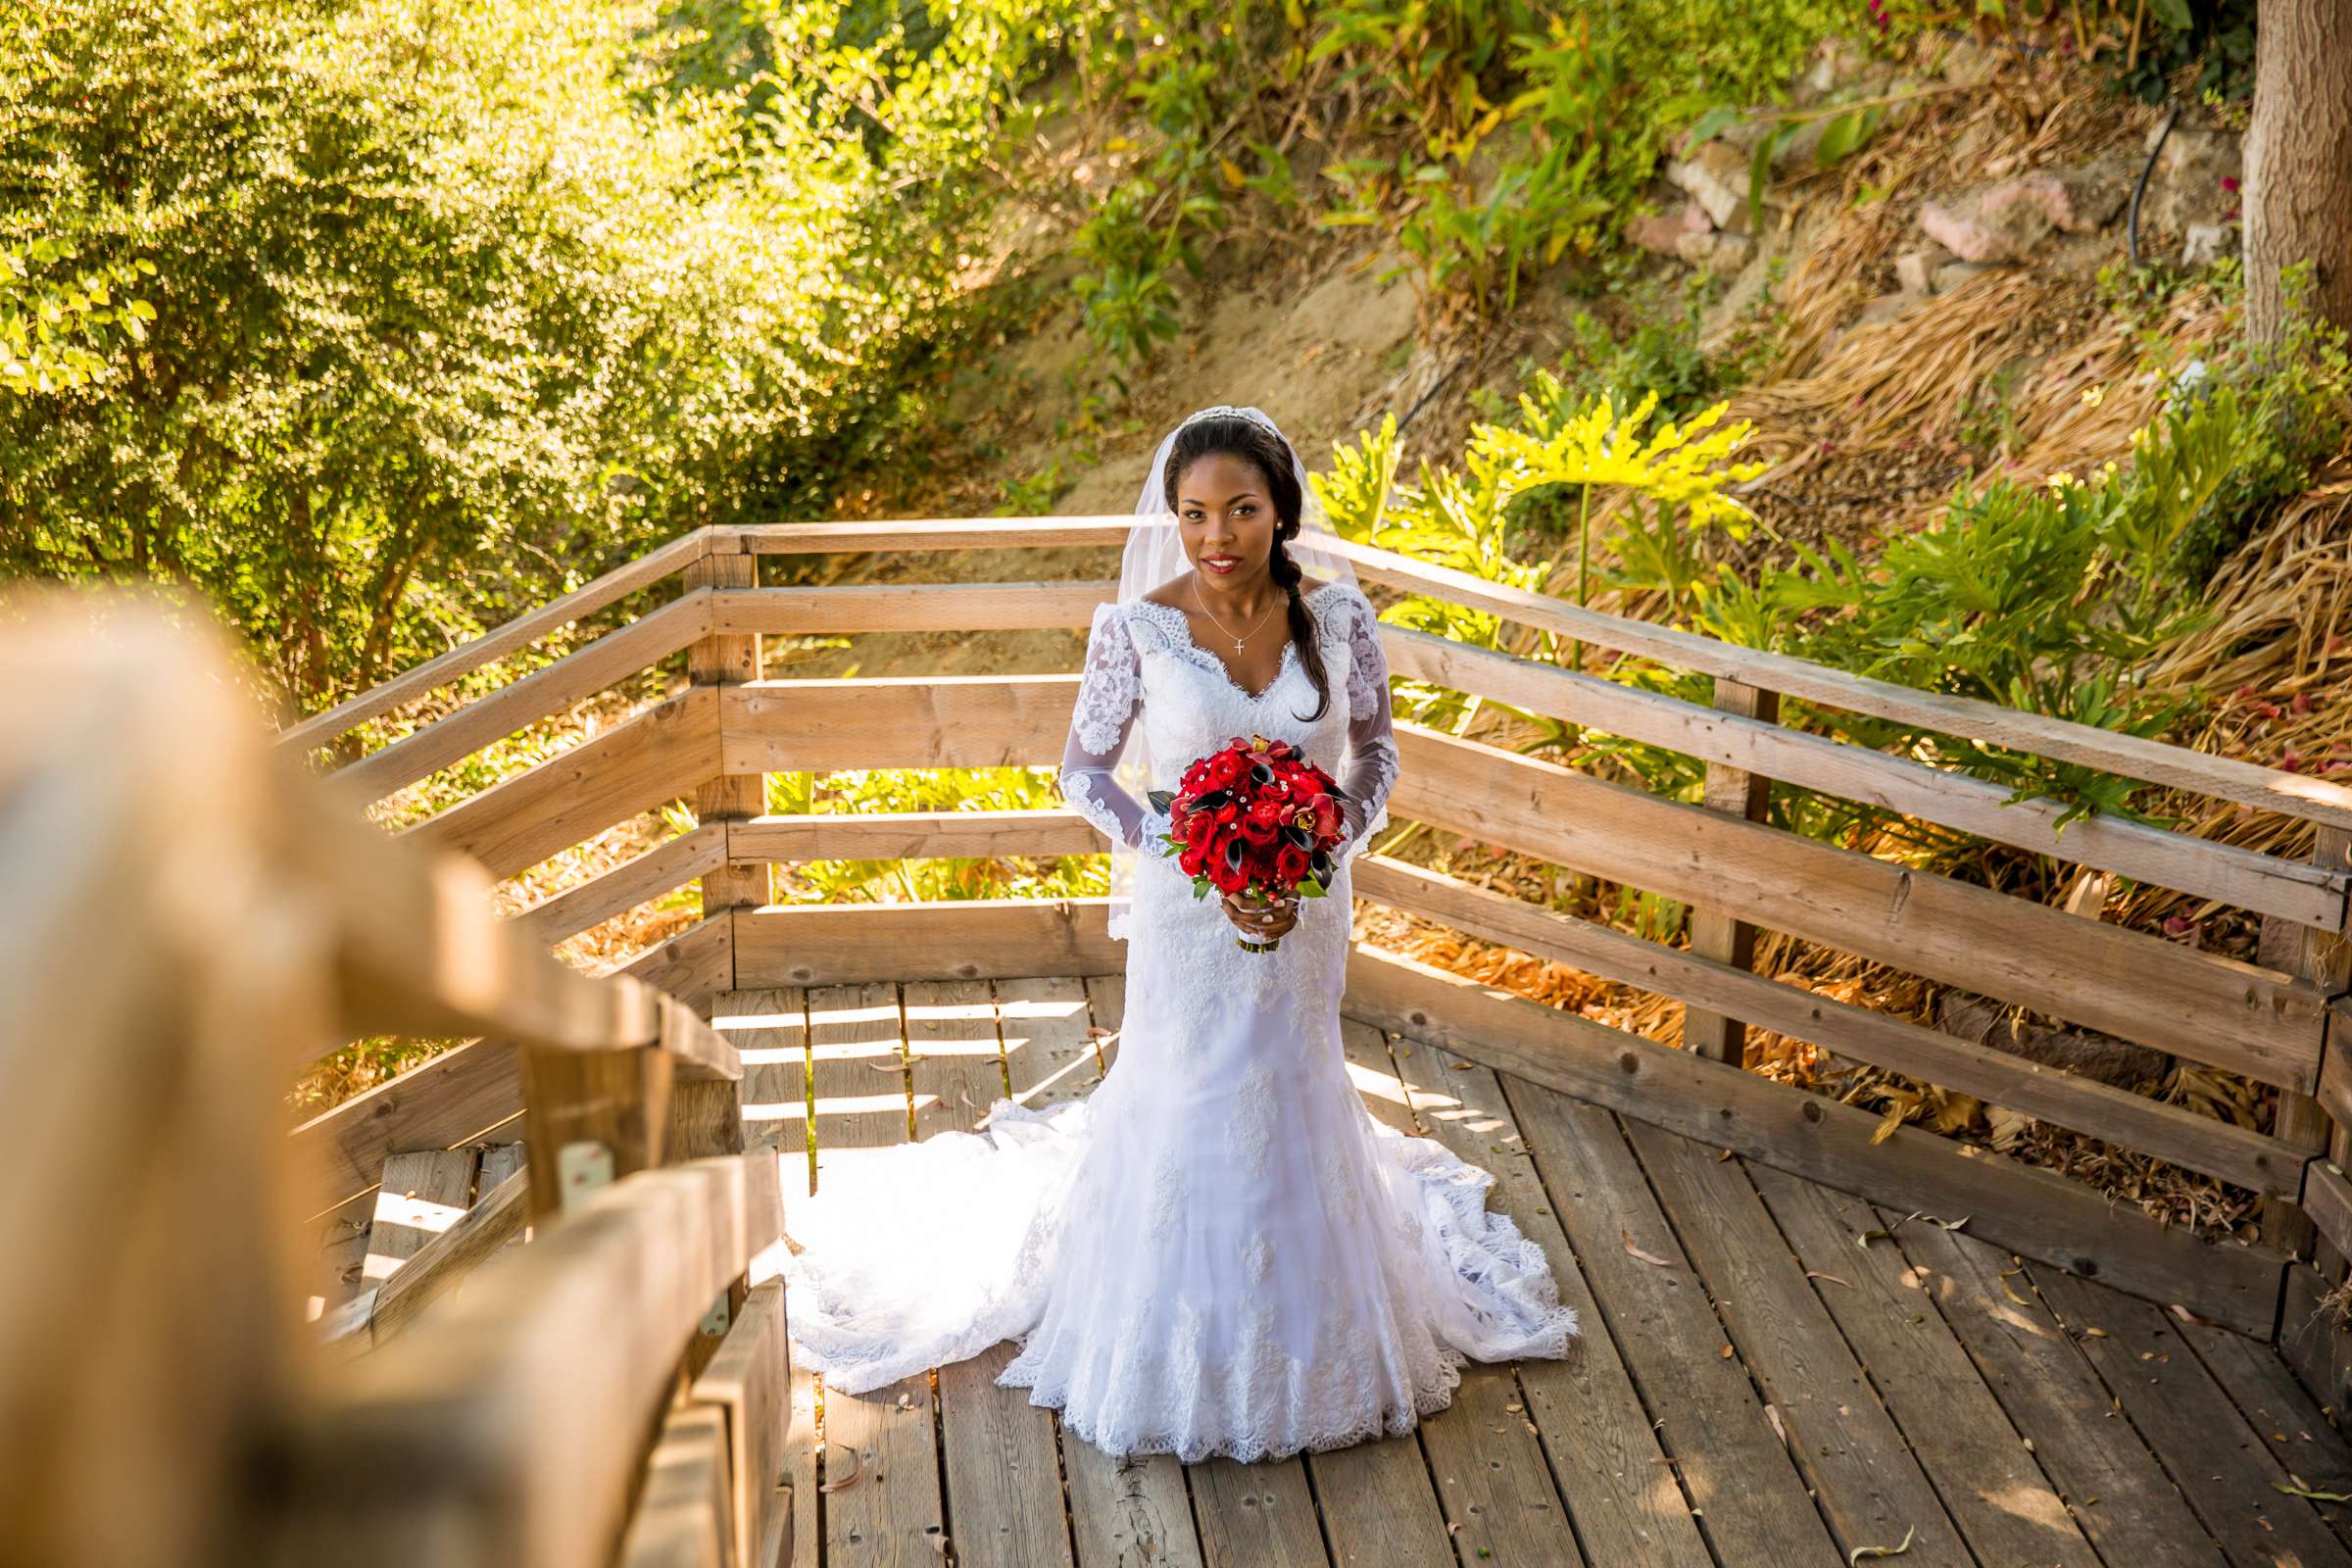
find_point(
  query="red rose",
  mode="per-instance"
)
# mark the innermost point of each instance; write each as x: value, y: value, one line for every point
x: 1227, y: 879
x: 1257, y: 830
x: 1290, y: 864
x: 1191, y: 860
x: 1198, y: 828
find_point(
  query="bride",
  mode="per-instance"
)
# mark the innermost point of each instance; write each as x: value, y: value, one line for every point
x: 1219, y: 1252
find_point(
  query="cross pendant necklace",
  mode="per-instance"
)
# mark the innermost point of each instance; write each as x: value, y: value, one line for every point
x: 1221, y: 626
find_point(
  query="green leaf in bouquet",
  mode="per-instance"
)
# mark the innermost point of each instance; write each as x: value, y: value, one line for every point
x: 1309, y: 888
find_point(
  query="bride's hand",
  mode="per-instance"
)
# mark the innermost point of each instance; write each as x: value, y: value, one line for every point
x: 1263, y: 922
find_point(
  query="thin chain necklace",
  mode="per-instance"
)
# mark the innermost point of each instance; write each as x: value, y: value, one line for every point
x: 1221, y: 626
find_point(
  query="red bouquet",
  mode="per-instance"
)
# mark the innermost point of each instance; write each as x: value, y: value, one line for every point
x: 1256, y: 821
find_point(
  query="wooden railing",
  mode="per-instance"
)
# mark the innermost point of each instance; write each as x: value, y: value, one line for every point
x: 2268, y: 1021
x: 192, y: 920
x: 189, y: 910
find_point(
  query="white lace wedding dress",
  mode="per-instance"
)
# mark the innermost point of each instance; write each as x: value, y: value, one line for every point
x: 1219, y: 1251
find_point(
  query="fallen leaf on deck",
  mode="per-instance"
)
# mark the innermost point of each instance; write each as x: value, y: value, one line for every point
x: 1779, y: 1431
x: 2186, y: 1317
x: 857, y: 1469
x: 1627, y: 1237
x: 1815, y: 1274
x: 2316, y: 1497
x: 1860, y: 1552
x: 2095, y: 1334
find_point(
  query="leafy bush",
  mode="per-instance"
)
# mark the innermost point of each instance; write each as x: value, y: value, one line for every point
x: 952, y: 789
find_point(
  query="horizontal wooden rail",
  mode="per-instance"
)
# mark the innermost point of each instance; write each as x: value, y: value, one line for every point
x: 542, y: 694
x: 2197, y: 1143
x: 655, y: 758
x: 665, y: 869
x: 1987, y: 724
x: 911, y: 836
x: 2294, y: 890
x: 444, y: 1262
x: 2201, y: 1005
x: 778, y: 726
x: 507, y: 1427
x: 523, y: 630
x: 2036, y: 1214
x: 832, y: 944
x: 911, y: 606
x: 1108, y: 530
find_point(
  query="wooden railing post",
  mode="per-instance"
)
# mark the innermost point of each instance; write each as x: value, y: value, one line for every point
x: 1715, y: 934
x: 728, y: 658
x: 2325, y: 959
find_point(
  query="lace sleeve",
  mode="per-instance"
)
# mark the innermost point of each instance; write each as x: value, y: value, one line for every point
x: 1370, y: 772
x: 1109, y: 692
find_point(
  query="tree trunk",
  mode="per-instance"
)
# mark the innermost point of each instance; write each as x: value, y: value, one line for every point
x: 2299, y: 193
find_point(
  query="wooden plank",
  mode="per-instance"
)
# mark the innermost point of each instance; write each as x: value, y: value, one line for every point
x: 693, y: 967
x: 1586, y: 1413
x: 499, y: 1162
x: 2035, y: 1212
x: 1129, y: 1514
x: 418, y: 1453
x: 2328, y: 1201
x: 1971, y: 719
x: 615, y: 1101
x: 1107, y: 994
x: 2240, y: 1155
x: 891, y: 1514
x: 1751, y: 1501
x: 442, y: 1264
x: 1852, y: 1454
x: 912, y: 606
x: 1990, y: 1485
x: 422, y: 1194
x: 1002, y: 1478
x: 1132, y: 1512
x: 444, y: 1102
x: 2267, y: 884
x: 2315, y: 1345
x: 519, y: 632
x: 640, y: 879
x: 914, y: 835
x: 969, y: 938
x: 801, y: 1446
x: 2227, y: 1472
x: 1716, y: 935
x: 747, y: 1385
x: 2315, y: 1456
x: 2323, y: 961
x: 1482, y: 1449
x: 2201, y: 1005
x: 770, y: 1032
x: 682, y: 1518
x: 2114, y: 1487
x: 655, y: 758
x: 931, y: 533
x: 542, y: 694
x: 783, y: 726
x: 1046, y: 1025
x: 1256, y: 1515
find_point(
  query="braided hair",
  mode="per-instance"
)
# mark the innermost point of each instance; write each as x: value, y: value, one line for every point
x: 1234, y: 436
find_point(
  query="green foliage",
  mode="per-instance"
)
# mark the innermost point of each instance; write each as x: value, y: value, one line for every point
x: 454, y: 310
x: 55, y: 331
x: 954, y: 789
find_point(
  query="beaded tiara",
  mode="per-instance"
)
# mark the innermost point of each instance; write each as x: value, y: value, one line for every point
x: 1229, y: 410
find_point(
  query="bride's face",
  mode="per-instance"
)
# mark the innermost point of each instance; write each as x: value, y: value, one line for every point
x: 1226, y: 518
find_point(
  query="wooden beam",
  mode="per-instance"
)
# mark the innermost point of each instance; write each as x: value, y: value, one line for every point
x: 658, y: 757
x: 2327, y: 1198
x: 932, y: 533
x: 637, y: 880
x: 1716, y: 933
x: 2174, y: 1133
x: 594, y: 1119
x: 469, y: 657
x: 1987, y: 724
x: 785, y: 727
x: 749, y: 1385
x: 914, y: 835
x: 2201, y: 1005
x: 443, y: 1262
x: 542, y: 694
x: 505, y: 1429
x: 912, y: 606
x: 695, y: 967
x: 2032, y: 1212
x: 2323, y: 962
x: 725, y: 660
x: 445, y: 1101
x: 841, y: 944
x: 2267, y: 884
x: 682, y: 1518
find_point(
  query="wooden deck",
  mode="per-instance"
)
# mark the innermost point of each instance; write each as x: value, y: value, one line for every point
x: 1756, y: 1384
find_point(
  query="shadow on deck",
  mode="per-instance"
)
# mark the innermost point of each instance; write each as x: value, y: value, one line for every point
x: 1770, y: 1371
